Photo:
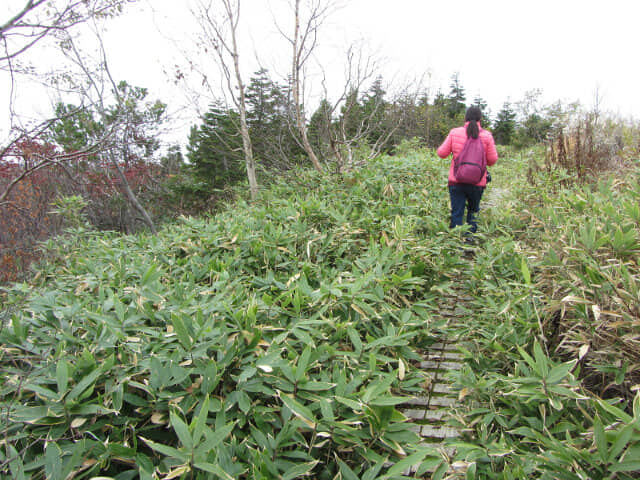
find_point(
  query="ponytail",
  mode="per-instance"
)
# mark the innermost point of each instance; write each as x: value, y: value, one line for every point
x: 472, y: 129
x: 473, y: 116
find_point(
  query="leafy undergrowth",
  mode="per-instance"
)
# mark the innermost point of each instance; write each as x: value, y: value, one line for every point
x: 553, y: 343
x: 277, y: 339
x: 273, y: 341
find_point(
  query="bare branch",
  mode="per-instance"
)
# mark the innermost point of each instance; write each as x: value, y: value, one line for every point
x: 224, y: 41
x: 38, y: 19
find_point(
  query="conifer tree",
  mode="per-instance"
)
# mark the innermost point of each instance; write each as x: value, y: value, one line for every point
x: 456, y: 105
x: 505, y: 125
x: 215, y: 149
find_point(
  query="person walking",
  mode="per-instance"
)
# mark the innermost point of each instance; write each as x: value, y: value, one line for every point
x: 467, y: 194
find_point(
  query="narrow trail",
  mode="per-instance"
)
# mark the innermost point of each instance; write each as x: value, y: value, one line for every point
x: 431, y: 412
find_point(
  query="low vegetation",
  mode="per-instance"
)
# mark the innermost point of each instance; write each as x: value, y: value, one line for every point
x: 277, y: 339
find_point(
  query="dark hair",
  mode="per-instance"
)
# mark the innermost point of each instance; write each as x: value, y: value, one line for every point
x: 473, y: 116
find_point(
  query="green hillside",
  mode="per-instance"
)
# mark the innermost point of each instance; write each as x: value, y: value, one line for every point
x: 277, y: 338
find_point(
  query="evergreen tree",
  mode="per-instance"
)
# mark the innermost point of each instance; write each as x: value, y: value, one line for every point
x: 374, y: 110
x: 439, y: 120
x: 351, y: 114
x: 269, y: 119
x: 456, y: 100
x: 215, y: 149
x: 535, y: 121
x: 505, y: 125
x: 320, y: 130
x: 479, y: 102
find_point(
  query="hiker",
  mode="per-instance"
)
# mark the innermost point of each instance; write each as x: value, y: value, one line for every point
x: 467, y: 192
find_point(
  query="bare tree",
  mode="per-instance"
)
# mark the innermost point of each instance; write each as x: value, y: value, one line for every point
x: 303, y: 42
x: 222, y: 34
x: 98, y: 79
x: 346, y: 123
x: 32, y: 23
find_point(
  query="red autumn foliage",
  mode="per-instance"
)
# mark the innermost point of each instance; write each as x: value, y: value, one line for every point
x: 25, y: 216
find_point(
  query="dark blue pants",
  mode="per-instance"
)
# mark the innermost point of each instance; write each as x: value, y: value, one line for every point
x: 461, y: 196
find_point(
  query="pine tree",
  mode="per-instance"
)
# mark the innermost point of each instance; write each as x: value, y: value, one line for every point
x: 215, y: 149
x: 479, y: 102
x: 505, y: 125
x: 320, y: 130
x: 456, y: 100
x: 269, y: 118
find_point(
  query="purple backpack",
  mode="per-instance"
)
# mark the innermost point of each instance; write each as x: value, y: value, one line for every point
x: 470, y: 165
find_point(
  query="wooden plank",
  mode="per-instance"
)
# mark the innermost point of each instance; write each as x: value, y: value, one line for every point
x: 439, y: 432
x: 414, y: 414
x: 444, y: 355
x: 442, y: 388
x: 431, y: 365
x: 434, y: 415
x: 431, y: 401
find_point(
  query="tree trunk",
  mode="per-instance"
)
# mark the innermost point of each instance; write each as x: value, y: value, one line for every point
x: 241, y: 104
x: 132, y: 198
x: 295, y: 80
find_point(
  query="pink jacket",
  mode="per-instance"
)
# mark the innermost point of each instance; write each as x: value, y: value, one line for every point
x: 454, y: 143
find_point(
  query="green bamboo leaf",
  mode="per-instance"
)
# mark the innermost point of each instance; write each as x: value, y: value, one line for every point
x: 526, y: 273
x: 213, y: 438
x: 303, y: 364
x: 149, y: 274
x: 404, y: 464
x: 387, y: 401
x: 559, y: 372
x: 622, y: 439
x: 42, y: 391
x: 316, y: 386
x: 244, y: 402
x: 15, y: 465
x: 353, y: 405
x: 630, y: 466
x: 471, y: 471
x: 53, y: 461
x: 355, y: 339
x: 119, y: 308
x: 615, y: 411
x: 262, y: 440
x: 373, y: 472
x: 378, y: 387
x: 326, y: 410
x: 440, y: 472
x: 298, y: 410
x: 247, y: 373
x: 288, y: 372
x: 62, y: 377
x: 346, y: 472
x: 182, y: 430
x: 600, y: 439
x: 199, y: 422
x: 530, y: 361
x: 541, y: 360
x: 181, y: 332
x: 84, y: 384
x: 117, y: 397
x: 301, y: 470
x: 213, y: 468
x: 166, y: 450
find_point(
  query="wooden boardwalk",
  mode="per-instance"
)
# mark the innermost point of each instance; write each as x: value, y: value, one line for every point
x: 429, y: 412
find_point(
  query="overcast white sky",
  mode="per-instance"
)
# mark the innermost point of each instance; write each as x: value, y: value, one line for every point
x: 567, y: 48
